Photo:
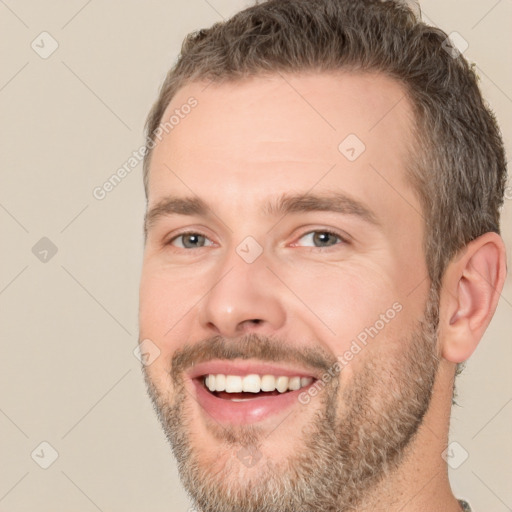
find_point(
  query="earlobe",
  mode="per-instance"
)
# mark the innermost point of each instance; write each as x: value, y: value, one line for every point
x: 471, y: 288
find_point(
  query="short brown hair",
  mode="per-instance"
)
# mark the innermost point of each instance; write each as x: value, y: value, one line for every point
x: 458, y: 166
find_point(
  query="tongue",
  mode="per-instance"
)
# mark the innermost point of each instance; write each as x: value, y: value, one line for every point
x: 238, y: 396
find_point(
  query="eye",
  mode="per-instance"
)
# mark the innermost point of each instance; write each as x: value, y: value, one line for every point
x: 320, y: 239
x: 190, y: 240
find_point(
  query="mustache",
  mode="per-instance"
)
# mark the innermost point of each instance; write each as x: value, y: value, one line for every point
x: 249, y: 346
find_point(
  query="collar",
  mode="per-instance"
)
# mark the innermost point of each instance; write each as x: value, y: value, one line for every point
x: 465, y: 506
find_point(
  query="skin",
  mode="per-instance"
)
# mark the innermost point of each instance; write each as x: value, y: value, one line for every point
x: 251, y: 141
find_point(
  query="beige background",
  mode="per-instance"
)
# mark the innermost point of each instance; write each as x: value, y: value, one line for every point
x: 68, y: 375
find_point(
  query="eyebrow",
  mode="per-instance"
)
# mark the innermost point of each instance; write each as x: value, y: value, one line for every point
x: 337, y: 202
x: 280, y: 206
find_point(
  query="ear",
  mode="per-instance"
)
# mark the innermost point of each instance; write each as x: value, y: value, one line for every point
x: 470, y: 291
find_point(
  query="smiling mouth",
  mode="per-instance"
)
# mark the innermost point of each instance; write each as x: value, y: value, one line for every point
x: 245, y: 392
x: 240, y: 388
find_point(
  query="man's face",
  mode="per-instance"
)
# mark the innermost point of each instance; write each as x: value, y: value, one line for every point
x: 281, y: 248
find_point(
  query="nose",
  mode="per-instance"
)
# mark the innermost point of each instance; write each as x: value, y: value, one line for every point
x: 243, y: 298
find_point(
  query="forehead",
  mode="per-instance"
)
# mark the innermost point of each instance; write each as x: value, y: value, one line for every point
x: 352, y: 132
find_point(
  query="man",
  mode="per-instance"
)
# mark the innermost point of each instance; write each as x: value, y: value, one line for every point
x: 322, y: 251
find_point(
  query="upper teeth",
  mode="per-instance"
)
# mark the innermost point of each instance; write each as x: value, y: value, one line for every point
x: 254, y: 383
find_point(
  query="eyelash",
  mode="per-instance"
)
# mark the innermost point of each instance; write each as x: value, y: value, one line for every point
x: 343, y: 239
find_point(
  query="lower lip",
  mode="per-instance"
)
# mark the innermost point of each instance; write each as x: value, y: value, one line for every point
x: 245, y: 412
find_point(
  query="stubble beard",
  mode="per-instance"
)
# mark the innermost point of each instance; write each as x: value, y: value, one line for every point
x: 358, y: 436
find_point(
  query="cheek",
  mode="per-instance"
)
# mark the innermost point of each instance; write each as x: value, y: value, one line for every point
x: 357, y: 310
x: 164, y: 303
x: 161, y: 306
x: 153, y: 304
x: 346, y: 298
